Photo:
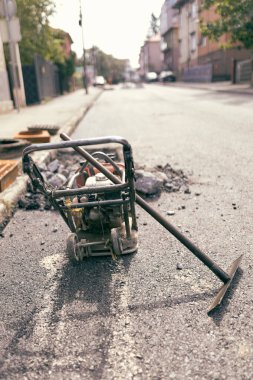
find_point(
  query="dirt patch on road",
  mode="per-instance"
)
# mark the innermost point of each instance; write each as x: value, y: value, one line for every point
x: 152, y: 181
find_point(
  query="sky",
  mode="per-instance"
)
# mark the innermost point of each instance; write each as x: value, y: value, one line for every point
x: 118, y: 27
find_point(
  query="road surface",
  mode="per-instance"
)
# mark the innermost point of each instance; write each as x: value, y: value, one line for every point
x: 141, y: 317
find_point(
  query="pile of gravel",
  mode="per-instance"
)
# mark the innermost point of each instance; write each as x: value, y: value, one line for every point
x: 56, y: 173
x: 177, y: 179
x: 150, y: 182
x: 61, y: 169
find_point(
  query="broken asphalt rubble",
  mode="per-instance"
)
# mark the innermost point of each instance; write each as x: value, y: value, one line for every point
x: 150, y: 182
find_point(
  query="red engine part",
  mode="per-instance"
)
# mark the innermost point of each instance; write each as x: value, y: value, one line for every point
x: 89, y: 172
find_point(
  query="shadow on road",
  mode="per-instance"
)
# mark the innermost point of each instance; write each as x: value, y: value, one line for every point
x: 90, y: 282
x: 96, y: 284
x: 171, y: 302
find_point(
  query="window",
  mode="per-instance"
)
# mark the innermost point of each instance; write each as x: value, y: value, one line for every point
x: 194, y: 10
x: 180, y: 19
x: 180, y: 47
x: 204, y: 40
x: 193, y: 42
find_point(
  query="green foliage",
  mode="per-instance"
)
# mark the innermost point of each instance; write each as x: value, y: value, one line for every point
x: 106, y: 65
x: 66, y: 70
x: 236, y: 19
x: 37, y: 35
x: 39, y: 38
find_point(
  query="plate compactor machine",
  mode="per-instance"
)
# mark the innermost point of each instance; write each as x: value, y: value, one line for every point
x: 98, y: 205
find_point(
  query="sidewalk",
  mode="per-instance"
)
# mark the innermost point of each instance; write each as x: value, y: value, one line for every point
x: 58, y: 111
x: 226, y: 87
x: 65, y: 111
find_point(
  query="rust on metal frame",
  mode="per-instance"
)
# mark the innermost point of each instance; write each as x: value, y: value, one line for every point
x: 8, y: 173
x: 33, y: 136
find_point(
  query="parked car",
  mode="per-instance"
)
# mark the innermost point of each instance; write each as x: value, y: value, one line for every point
x: 167, y: 76
x: 151, y: 77
x: 99, y: 81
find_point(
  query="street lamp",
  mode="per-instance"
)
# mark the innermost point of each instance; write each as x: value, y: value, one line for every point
x: 84, y: 58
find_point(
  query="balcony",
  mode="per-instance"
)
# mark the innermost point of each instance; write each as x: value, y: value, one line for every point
x: 180, y: 3
x: 167, y: 45
x: 164, y: 46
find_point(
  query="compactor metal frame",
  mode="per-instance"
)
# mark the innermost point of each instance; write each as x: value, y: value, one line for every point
x: 30, y: 168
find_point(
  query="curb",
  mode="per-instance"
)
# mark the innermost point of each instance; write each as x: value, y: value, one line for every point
x: 232, y: 91
x: 10, y: 196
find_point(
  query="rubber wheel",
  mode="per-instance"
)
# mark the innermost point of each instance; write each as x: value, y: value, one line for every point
x: 116, y: 242
x: 73, y: 251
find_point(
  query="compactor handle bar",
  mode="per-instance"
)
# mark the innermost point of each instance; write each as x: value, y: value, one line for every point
x: 75, y: 143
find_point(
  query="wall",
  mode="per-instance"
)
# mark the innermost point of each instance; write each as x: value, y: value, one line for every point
x: 5, y: 99
x: 169, y: 33
x: 151, y: 57
x: 188, y: 35
x: 155, y: 62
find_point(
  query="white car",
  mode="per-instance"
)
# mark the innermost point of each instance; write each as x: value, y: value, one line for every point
x: 99, y: 81
x: 151, y: 77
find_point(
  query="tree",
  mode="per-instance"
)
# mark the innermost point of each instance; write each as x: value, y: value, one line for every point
x: 66, y: 71
x: 37, y: 35
x: 106, y: 65
x: 154, y: 25
x: 235, y: 18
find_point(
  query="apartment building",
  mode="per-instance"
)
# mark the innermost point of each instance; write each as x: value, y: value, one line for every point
x: 169, y: 35
x: 188, y: 34
x: 210, y: 52
x: 151, y: 57
x: 199, y: 58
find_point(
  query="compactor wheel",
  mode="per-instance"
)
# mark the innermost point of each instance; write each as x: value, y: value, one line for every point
x: 116, y: 242
x: 73, y: 252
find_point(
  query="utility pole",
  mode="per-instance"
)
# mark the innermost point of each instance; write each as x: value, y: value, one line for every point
x: 94, y: 60
x: 84, y: 58
x: 10, y: 9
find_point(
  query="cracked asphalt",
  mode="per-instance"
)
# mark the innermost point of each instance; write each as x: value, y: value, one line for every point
x: 140, y: 317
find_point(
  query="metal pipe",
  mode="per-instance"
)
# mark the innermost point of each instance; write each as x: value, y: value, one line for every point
x: 115, y: 202
x: 108, y: 159
x: 223, y: 276
x: 89, y: 190
x: 126, y: 219
x: 84, y: 57
x: 76, y: 143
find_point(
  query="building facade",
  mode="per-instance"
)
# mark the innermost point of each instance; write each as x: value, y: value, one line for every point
x: 11, y: 81
x: 169, y: 35
x: 188, y: 33
x: 151, y: 57
x: 210, y: 52
x: 201, y: 59
x: 5, y: 97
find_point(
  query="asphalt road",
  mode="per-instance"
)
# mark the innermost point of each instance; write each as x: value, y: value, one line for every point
x: 141, y: 317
